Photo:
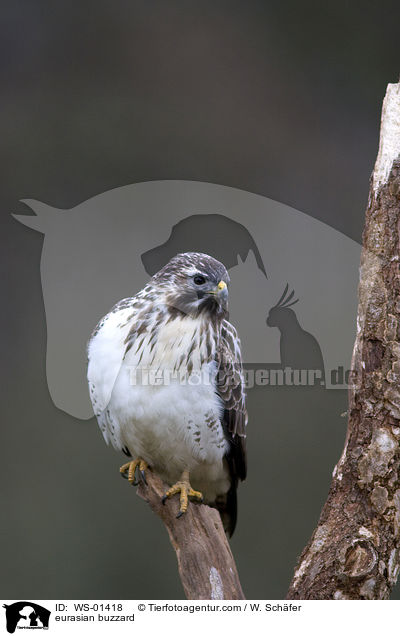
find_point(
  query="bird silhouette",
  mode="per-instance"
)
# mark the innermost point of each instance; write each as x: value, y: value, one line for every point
x: 299, y: 349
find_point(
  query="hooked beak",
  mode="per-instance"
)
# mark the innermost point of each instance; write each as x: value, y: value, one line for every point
x: 221, y: 293
x: 221, y: 286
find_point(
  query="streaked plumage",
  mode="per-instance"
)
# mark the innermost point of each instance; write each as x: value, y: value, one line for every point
x: 178, y: 328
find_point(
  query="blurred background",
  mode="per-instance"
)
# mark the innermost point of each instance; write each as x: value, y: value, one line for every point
x: 278, y: 98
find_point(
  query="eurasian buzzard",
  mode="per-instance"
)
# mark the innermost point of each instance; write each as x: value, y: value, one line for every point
x: 166, y: 383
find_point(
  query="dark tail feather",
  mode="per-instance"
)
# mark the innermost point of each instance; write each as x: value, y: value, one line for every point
x: 227, y: 508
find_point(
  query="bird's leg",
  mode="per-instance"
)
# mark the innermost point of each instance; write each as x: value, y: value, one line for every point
x: 185, y: 489
x: 128, y: 470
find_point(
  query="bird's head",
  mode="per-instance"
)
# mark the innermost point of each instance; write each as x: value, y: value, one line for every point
x: 194, y: 283
x: 281, y: 312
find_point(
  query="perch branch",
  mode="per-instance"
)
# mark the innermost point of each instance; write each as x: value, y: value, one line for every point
x: 354, y: 551
x: 205, y: 561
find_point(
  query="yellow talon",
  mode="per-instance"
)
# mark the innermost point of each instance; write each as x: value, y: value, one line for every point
x: 131, y: 467
x: 185, y: 489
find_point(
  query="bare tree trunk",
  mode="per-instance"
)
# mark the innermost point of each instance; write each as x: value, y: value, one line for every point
x: 206, y: 565
x: 354, y: 551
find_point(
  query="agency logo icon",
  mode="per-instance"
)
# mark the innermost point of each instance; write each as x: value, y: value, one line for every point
x: 26, y: 615
x: 106, y: 248
x: 299, y: 349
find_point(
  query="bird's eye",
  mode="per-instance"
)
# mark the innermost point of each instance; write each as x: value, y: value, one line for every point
x: 199, y: 280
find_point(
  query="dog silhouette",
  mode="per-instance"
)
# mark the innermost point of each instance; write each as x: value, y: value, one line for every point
x: 214, y: 234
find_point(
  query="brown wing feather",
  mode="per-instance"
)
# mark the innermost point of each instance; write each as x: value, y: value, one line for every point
x: 230, y: 387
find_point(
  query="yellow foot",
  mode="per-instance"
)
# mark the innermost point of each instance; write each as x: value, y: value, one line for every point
x: 128, y: 470
x: 185, y: 489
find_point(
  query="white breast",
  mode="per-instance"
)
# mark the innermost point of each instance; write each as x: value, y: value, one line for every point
x: 174, y: 423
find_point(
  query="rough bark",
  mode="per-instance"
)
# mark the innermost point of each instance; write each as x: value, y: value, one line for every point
x: 354, y: 551
x: 205, y: 562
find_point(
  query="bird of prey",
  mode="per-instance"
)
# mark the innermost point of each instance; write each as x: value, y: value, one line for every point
x: 166, y: 383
